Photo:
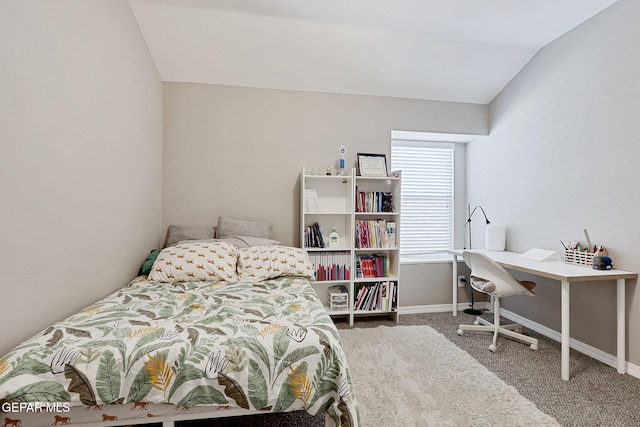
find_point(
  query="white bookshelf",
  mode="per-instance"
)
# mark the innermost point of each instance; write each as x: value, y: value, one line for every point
x: 330, y: 201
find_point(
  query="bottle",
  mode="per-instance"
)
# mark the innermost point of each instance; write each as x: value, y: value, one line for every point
x: 334, y: 239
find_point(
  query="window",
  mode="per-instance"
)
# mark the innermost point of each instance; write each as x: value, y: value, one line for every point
x: 427, y: 195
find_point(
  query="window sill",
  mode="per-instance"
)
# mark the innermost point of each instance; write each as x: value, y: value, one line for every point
x: 434, y: 258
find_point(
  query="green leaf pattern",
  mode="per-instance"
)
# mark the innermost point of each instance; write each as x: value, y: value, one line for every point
x: 226, y: 343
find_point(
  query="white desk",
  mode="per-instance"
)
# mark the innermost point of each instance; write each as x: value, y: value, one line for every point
x: 565, y: 273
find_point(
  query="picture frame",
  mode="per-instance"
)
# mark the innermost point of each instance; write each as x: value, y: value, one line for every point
x: 370, y: 164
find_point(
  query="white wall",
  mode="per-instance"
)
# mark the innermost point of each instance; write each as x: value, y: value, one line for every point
x: 233, y: 151
x: 563, y: 156
x: 80, y: 170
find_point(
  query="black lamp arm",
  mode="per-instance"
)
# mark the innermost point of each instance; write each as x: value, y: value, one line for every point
x: 483, y: 213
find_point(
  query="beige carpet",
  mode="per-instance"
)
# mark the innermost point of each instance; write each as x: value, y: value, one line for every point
x: 414, y: 376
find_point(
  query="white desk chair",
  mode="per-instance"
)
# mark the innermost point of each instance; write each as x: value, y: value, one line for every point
x: 490, y: 278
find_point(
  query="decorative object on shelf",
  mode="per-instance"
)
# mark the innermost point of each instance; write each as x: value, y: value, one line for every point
x: 342, y: 150
x: 372, y: 164
x: 329, y: 171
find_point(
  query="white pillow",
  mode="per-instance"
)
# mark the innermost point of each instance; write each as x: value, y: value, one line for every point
x: 238, y: 241
x: 266, y: 262
x: 191, y: 262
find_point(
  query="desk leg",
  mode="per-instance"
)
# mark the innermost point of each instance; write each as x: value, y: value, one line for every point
x: 565, y: 331
x: 455, y: 285
x: 621, y: 326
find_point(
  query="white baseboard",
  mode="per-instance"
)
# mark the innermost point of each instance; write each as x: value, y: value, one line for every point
x: 441, y: 308
x: 606, y: 358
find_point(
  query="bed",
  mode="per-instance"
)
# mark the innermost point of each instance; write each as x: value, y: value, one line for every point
x: 213, y: 330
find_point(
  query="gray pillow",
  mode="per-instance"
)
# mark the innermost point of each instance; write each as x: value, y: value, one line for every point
x: 177, y: 233
x: 228, y: 227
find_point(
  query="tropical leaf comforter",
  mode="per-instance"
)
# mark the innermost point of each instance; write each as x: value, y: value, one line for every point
x: 266, y: 346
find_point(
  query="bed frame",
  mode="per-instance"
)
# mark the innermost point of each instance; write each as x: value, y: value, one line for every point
x: 196, y: 413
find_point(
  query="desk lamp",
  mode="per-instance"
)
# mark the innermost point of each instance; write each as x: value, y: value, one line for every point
x: 471, y: 310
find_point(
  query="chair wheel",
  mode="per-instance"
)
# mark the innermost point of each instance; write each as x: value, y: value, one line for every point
x: 534, y: 347
x: 460, y: 332
x: 493, y: 348
x: 475, y: 322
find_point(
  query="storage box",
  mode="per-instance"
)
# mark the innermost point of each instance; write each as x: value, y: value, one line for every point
x: 579, y: 257
x: 338, y: 298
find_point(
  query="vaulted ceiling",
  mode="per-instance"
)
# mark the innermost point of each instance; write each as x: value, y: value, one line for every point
x: 448, y: 50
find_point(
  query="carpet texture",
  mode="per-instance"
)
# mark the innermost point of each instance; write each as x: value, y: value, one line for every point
x: 413, y: 375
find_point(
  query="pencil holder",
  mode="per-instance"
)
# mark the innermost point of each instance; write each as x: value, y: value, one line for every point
x: 579, y: 257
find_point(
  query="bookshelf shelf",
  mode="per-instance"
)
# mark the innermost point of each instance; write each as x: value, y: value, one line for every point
x: 328, y: 213
x: 337, y: 312
x: 334, y: 282
x: 375, y: 279
x: 374, y: 249
x: 365, y: 213
x: 375, y: 214
x: 337, y: 249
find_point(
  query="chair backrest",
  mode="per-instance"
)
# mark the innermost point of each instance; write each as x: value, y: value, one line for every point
x: 487, y: 269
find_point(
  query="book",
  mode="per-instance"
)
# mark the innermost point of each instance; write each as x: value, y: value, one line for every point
x: 391, y: 234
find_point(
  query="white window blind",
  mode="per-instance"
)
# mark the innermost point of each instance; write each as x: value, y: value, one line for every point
x: 426, y: 213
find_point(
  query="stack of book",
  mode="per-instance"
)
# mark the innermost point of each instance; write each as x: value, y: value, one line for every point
x: 331, y: 265
x: 314, y: 236
x: 380, y: 296
x: 375, y: 234
x: 374, y: 201
x: 376, y: 265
